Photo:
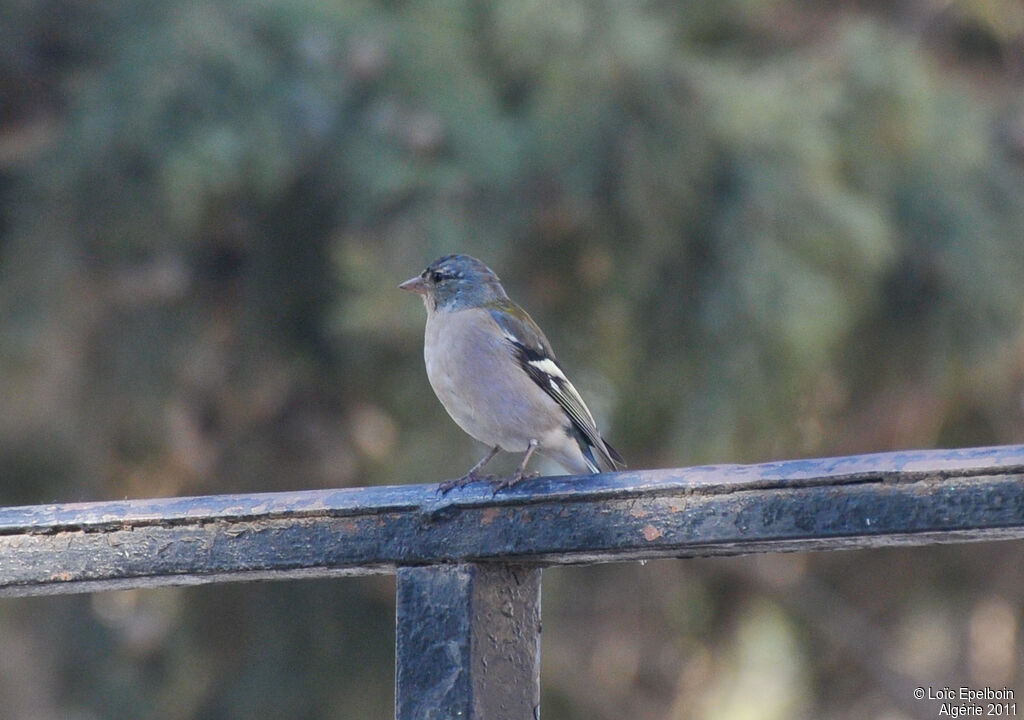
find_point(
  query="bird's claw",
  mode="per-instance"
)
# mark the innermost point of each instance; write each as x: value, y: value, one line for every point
x: 445, y: 487
x: 507, y: 482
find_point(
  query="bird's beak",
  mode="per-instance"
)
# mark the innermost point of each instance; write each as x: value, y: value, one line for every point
x: 415, y: 284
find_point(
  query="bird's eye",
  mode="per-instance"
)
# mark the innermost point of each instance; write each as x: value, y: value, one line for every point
x: 437, y: 276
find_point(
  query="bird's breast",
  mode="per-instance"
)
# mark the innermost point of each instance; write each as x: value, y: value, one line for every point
x: 475, y: 376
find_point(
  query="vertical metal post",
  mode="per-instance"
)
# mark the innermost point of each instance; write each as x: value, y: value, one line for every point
x: 468, y: 642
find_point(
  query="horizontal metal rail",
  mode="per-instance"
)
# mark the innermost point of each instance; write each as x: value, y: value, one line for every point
x: 908, y: 498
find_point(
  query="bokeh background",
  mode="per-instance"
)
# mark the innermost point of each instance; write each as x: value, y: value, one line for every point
x: 753, y: 229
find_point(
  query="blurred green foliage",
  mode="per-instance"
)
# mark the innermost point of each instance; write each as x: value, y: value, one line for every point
x: 753, y: 229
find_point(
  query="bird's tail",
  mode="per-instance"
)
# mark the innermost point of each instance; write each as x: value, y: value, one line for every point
x: 609, y: 456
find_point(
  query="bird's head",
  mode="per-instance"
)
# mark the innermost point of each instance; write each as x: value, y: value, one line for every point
x: 455, y: 282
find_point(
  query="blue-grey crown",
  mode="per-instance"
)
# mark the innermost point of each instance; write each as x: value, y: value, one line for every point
x: 459, y: 281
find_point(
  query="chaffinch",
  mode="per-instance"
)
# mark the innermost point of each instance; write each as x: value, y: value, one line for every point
x: 496, y: 375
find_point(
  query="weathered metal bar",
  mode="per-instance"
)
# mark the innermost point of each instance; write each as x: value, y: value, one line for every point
x: 915, y: 497
x: 468, y: 642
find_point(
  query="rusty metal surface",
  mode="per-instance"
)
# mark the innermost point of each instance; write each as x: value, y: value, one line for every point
x: 913, y: 497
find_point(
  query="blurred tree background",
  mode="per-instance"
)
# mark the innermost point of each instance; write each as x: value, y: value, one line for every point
x: 753, y: 229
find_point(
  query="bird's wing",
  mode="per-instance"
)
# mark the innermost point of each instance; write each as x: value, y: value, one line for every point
x: 533, y: 352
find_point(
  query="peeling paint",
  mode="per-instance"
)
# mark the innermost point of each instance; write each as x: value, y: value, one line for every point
x: 651, y: 533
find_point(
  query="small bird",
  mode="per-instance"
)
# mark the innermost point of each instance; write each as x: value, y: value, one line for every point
x: 496, y: 374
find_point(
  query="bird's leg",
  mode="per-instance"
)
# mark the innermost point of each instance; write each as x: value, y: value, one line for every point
x: 520, y: 472
x: 473, y: 474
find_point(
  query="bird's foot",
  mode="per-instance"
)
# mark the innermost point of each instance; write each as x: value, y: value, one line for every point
x: 471, y: 477
x: 507, y: 482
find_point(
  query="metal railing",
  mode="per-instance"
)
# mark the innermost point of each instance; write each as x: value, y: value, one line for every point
x: 469, y: 562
